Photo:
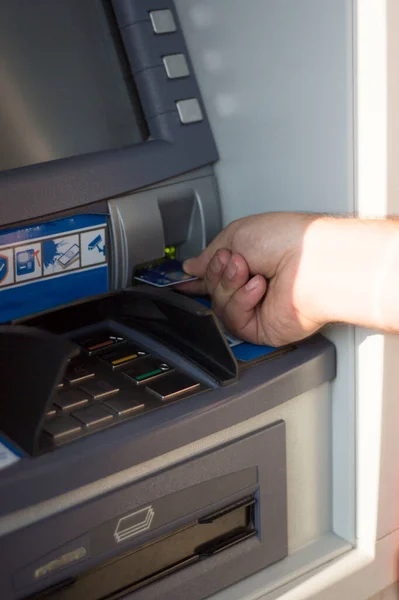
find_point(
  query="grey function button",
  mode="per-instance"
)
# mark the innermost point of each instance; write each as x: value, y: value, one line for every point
x: 189, y: 111
x: 93, y: 416
x: 172, y: 386
x: 176, y: 66
x: 99, y: 388
x: 163, y: 21
x: 51, y: 412
x: 124, y: 404
x: 70, y: 399
x: 62, y: 427
x: 78, y: 371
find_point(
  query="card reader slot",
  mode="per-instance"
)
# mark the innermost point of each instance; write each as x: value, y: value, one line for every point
x: 158, y: 558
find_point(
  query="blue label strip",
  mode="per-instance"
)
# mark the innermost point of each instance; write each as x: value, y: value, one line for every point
x: 52, y: 264
x: 247, y: 352
x: 8, y: 456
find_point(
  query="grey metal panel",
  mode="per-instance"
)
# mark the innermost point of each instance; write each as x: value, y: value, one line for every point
x: 189, y: 490
x: 42, y: 190
x: 137, y: 234
x: 183, y: 213
x: 145, y: 52
x: 176, y: 496
x: 259, y: 389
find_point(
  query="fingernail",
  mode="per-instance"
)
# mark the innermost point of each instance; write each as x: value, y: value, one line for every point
x: 231, y: 270
x: 252, y: 284
x: 216, y: 265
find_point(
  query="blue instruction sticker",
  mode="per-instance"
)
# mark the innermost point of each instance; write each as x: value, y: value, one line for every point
x: 7, y: 456
x: 246, y: 352
x: 51, y: 264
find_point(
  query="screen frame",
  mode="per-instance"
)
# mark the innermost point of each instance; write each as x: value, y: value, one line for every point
x: 60, y: 186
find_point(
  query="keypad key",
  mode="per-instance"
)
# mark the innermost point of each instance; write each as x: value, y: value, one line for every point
x: 62, y: 427
x: 120, y: 357
x: 147, y: 369
x: 93, y: 416
x: 70, y: 399
x: 99, y: 388
x: 99, y: 340
x: 51, y: 412
x: 172, y: 386
x: 125, y: 403
x: 78, y: 371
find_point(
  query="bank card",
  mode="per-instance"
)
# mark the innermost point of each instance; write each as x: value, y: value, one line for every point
x: 167, y: 273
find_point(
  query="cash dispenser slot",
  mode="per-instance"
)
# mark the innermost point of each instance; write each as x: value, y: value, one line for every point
x: 149, y: 563
x: 185, y: 531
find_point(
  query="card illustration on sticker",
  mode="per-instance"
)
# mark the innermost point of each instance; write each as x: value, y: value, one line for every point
x: 167, y: 273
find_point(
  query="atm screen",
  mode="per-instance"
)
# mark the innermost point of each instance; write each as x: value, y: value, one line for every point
x: 66, y: 86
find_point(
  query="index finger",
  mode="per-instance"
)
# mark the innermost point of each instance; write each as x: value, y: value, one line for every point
x: 198, y: 266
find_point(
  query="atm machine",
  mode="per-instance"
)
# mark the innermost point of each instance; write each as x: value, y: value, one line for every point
x: 144, y: 452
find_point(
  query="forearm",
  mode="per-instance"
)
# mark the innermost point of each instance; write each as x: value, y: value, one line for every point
x: 349, y: 272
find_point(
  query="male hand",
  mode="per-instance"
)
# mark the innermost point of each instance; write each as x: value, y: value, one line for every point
x: 250, y: 271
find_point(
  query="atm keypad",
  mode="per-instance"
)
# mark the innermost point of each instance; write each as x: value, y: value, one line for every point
x: 110, y: 381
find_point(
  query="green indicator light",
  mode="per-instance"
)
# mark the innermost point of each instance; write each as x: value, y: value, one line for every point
x: 147, y: 375
x: 170, y: 252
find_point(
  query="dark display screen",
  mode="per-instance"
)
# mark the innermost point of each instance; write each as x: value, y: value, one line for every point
x: 65, y: 85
